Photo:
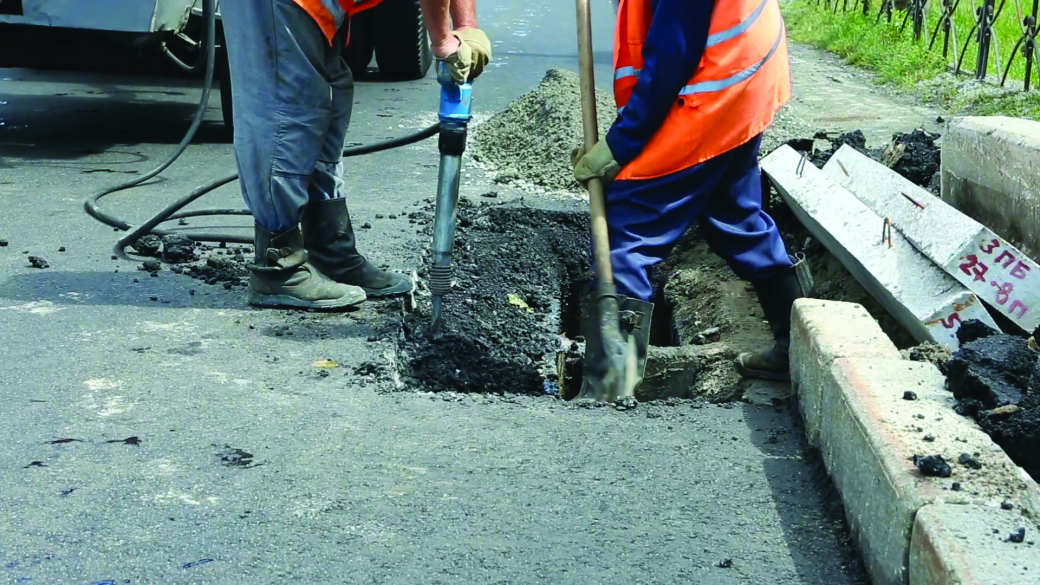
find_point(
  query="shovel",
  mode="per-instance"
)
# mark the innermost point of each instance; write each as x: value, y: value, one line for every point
x: 621, y: 372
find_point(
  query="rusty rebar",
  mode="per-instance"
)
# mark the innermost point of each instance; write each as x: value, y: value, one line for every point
x: 843, y: 169
x: 912, y: 200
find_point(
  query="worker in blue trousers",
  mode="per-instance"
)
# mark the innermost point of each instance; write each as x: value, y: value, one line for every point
x: 696, y: 83
x: 292, y: 99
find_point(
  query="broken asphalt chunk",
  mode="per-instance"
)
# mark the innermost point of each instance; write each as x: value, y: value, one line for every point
x: 932, y: 465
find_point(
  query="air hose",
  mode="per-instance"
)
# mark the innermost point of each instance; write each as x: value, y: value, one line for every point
x: 170, y: 213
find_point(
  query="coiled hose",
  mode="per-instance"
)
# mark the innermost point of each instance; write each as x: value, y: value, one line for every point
x: 170, y: 213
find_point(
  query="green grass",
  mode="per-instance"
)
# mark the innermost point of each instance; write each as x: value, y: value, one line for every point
x: 898, y: 59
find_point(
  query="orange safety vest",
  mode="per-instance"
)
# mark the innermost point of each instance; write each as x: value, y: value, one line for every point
x: 329, y: 14
x: 743, y: 79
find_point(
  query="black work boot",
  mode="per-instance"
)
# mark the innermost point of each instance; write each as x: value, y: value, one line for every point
x: 329, y: 239
x: 282, y: 277
x: 776, y: 295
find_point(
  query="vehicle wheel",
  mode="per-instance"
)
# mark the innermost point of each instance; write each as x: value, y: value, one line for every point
x: 358, y: 53
x: 402, y: 44
x: 222, y: 75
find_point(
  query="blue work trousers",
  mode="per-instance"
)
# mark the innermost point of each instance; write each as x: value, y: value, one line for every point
x: 292, y: 95
x: 722, y: 195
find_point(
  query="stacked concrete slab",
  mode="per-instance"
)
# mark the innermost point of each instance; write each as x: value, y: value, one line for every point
x: 989, y: 172
x: 926, y: 300
x: 988, y: 265
x: 910, y: 528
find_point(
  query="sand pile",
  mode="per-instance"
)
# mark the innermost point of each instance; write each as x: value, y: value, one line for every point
x: 533, y: 138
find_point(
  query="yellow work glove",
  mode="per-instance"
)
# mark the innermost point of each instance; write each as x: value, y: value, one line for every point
x: 480, y: 45
x: 460, y: 63
x: 598, y: 162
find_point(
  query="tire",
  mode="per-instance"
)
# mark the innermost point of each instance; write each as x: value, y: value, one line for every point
x: 358, y: 53
x: 403, y: 50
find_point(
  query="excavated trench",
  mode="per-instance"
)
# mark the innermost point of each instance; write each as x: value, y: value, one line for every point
x: 512, y: 323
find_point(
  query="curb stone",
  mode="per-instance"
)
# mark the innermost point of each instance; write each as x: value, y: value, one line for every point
x: 867, y: 433
x: 969, y: 545
x: 821, y: 332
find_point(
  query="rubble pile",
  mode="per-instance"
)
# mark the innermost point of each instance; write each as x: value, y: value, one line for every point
x: 996, y: 380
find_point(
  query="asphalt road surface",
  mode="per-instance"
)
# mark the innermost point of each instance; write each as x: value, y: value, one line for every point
x: 206, y: 448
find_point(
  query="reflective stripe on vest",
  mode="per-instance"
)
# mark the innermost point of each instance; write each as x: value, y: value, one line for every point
x: 740, y: 83
x: 721, y: 84
x: 713, y: 40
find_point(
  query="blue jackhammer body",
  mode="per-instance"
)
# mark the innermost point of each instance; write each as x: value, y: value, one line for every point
x: 455, y: 114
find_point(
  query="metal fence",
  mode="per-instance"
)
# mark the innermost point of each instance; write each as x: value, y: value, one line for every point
x: 982, y: 33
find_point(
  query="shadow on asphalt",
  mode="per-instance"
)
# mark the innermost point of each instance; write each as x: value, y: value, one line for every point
x: 71, y: 127
x: 811, y: 513
x: 128, y: 287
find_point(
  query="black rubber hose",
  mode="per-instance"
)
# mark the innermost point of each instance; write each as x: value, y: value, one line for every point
x: 92, y: 206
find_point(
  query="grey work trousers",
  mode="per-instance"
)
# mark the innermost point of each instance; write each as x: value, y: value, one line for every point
x: 292, y: 97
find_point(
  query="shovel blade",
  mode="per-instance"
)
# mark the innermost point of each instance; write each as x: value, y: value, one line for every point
x: 620, y: 371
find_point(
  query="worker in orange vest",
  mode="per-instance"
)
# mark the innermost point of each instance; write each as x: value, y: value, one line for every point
x: 696, y: 83
x: 292, y: 99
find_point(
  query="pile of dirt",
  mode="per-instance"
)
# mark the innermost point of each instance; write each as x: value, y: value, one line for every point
x: 533, y: 137
x: 819, y: 157
x: 915, y: 156
x: 210, y: 264
x: 517, y: 273
x: 996, y: 380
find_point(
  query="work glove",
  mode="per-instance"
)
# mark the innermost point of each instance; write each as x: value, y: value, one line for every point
x: 480, y: 45
x: 460, y: 63
x: 598, y: 162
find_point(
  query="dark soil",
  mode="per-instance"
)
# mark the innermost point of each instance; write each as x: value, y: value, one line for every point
x: 517, y: 274
x: 932, y: 466
x: 914, y: 156
x: 148, y: 245
x: 1000, y: 372
x: 178, y: 249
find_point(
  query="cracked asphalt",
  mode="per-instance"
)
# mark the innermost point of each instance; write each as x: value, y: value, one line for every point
x: 157, y: 430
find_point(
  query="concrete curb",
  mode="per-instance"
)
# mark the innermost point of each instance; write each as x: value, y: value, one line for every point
x: 851, y: 394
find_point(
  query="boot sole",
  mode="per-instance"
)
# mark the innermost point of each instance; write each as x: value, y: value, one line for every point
x: 290, y: 302
x: 761, y: 374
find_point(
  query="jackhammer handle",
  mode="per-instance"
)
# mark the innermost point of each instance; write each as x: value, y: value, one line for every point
x: 597, y: 207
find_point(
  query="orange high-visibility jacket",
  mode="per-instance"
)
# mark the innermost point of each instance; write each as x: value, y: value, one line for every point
x: 742, y: 81
x: 328, y: 12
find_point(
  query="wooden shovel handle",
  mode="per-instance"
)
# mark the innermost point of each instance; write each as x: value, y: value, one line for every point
x: 597, y: 208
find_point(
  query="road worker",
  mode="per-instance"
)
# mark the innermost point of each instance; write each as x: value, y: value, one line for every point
x: 696, y: 83
x: 292, y: 100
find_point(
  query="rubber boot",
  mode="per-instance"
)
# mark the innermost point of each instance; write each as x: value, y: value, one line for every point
x: 777, y: 296
x: 329, y: 239
x: 282, y: 277
x: 635, y: 318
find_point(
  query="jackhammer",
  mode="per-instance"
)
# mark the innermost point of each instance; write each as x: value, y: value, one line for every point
x: 455, y: 114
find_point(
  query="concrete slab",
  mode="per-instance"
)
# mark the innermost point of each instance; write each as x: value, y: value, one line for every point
x: 822, y: 332
x: 923, y: 298
x: 988, y: 265
x: 989, y: 172
x: 969, y: 545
